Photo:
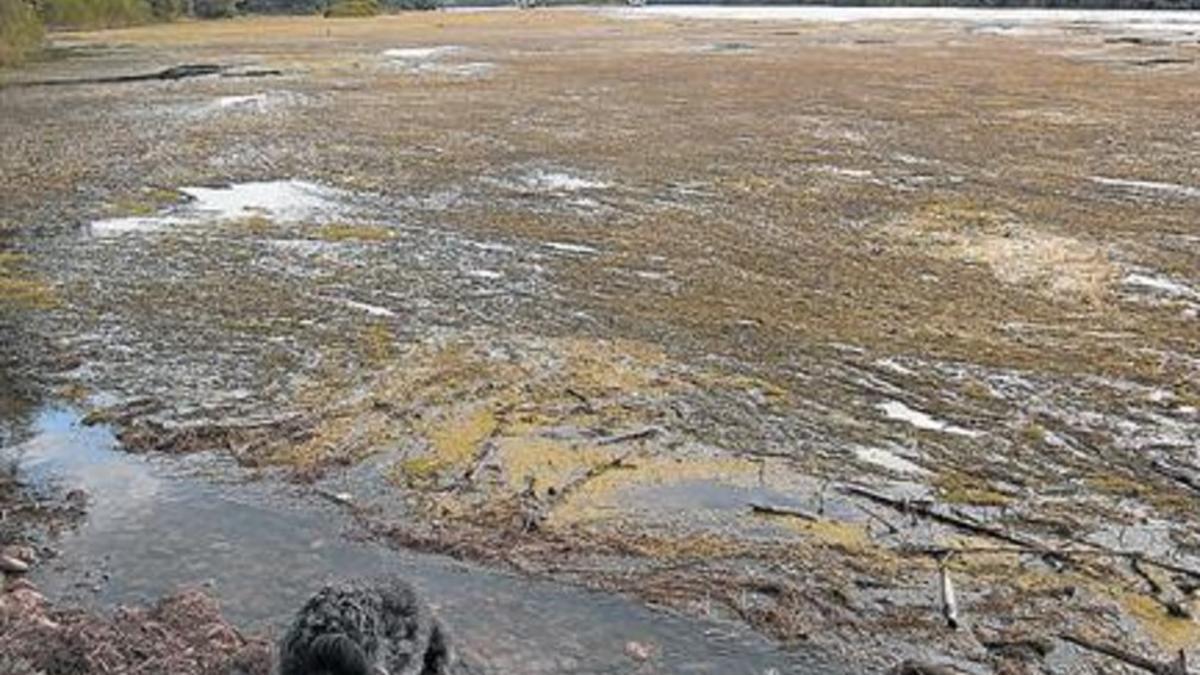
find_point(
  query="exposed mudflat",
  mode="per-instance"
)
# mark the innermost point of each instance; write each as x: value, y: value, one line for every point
x: 759, y: 320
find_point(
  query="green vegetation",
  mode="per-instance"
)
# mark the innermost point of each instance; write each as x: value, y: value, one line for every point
x: 352, y: 8
x: 414, y: 5
x: 20, y: 31
x: 95, y: 13
x: 214, y: 9
x: 352, y: 231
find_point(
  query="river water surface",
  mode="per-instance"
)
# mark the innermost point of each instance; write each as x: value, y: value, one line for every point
x: 156, y: 525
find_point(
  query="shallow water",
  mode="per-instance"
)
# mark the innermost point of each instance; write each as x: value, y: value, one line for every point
x: 282, y: 200
x: 895, y: 410
x: 155, y: 525
x: 1168, y: 21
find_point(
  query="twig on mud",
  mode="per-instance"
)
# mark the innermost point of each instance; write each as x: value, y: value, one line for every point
x: 339, y: 498
x: 617, y: 462
x: 1167, y: 595
x: 1181, y: 476
x: 1178, y: 666
x: 486, y: 452
x: 927, y: 510
x: 1059, y: 553
x: 911, y: 667
x: 892, y: 529
x: 773, y: 510
x: 629, y: 436
x: 583, y: 400
x: 534, y: 510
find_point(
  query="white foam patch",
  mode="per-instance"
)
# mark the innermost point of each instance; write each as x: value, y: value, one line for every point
x: 895, y: 366
x: 560, y: 181
x: 490, y: 246
x: 471, y: 69
x: 895, y: 410
x: 256, y: 101
x: 281, y: 200
x: 427, y: 60
x: 1166, y: 21
x: 888, y: 460
x: 411, y: 54
x: 373, y: 310
x: 484, y: 274
x: 1171, y: 189
x: 571, y: 248
x: 649, y: 275
x: 1161, y: 285
x: 844, y: 172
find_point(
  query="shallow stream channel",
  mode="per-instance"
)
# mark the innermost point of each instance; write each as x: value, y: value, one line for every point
x: 156, y: 525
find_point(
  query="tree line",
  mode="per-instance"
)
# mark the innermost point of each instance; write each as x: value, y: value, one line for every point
x: 23, y: 22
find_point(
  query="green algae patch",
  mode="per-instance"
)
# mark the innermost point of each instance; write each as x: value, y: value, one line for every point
x: 454, y: 441
x: 146, y: 202
x: 606, y: 495
x: 21, y: 290
x: 958, y: 488
x: 550, y: 464
x: 414, y: 472
x: 339, y: 232
x: 1167, y: 632
x: 849, y: 537
x: 378, y: 344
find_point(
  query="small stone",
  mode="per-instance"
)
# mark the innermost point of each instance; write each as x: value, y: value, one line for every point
x: 639, y: 651
x: 25, y: 554
x: 10, y: 565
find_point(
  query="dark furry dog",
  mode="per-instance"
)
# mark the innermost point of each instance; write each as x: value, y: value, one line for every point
x: 366, y: 627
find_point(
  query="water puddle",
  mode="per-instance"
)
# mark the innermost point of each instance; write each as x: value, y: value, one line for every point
x: 1165, y: 21
x: 279, y: 200
x: 155, y: 525
x: 895, y: 410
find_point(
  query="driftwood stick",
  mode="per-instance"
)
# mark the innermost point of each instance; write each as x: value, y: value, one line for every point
x: 583, y: 400
x: 773, y: 510
x: 892, y: 529
x: 1062, y: 553
x: 949, y: 602
x: 628, y: 436
x: 482, y: 459
x: 930, y: 512
x: 1165, y: 591
x: 911, y: 667
x: 1182, y: 476
x: 618, y: 462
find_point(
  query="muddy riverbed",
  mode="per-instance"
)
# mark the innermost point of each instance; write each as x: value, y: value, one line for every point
x: 775, y: 318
